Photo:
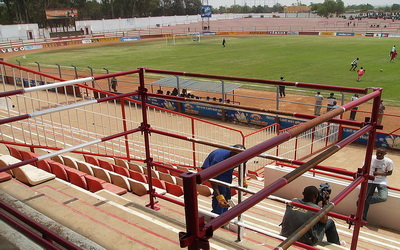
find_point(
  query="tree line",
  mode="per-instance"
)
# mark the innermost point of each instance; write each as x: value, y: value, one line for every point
x: 336, y: 7
x: 28, y: 11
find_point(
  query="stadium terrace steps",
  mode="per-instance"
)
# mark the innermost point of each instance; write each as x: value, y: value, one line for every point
x: 173, y: 215
x: 116, y: 222
x: 123, y: 217
x: 111, y: 226
x: 22, y: 242
x: 12, y: 239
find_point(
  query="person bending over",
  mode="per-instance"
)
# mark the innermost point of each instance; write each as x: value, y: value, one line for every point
x: 222, y: 194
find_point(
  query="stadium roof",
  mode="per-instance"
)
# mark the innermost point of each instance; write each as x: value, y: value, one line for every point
x: 215, y: 87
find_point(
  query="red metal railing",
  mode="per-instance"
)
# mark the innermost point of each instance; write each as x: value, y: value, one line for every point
x: 198, y: 232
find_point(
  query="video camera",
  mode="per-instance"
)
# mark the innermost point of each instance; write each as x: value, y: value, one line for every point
x: 324, y: 192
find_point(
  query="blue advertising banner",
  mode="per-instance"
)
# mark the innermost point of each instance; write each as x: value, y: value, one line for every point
x: 39, y: 46
x: 203, y: 110
x: 382, y: 139
x: 206, y: 11
x: 249, y: 118
x: 128, y: 39
x: 208, y: 33
x: 287, y: 122
x: 344, y: 34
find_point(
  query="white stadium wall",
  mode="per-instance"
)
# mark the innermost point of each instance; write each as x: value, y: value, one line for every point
x: 19, y: 31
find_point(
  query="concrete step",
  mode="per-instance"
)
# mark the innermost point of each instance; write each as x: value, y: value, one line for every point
x: 173, y: 215
x: 89, y: 215
x: 12, y: 239
x: 124, y: 222
x: 22, y: 242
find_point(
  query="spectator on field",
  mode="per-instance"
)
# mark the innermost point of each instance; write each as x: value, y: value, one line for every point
x: 184, y: 93
x: 175, y: 92
x: 222, y: 194
x: 381, y: 168
x: 335, y: 106
x: 318, y: 103
x: 295, y: 217
x: 330, y: 99
x: 381, y: 111
x: 114, y: 84
x: 282, y: 89
x: 353, y: 111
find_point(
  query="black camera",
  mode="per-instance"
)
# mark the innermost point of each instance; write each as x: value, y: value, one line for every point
x: 324, y: 192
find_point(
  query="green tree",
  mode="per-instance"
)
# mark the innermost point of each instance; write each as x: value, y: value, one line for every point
x: 277, y: 8
x: 7, y: 12
x: 315, y: 6
x: 329, y: 7
x: 395, y: 7
x: 192, y: 7
x: 340, y: 9
x: 365, y: 7
x: 91, y: 11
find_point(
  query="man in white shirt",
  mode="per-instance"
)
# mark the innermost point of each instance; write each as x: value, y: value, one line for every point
x: 381, y: 167
x: 330, y: 100
x: 353, y: 111
x: 393, y: 49
x: 318, y: 103
x: 354, y: 64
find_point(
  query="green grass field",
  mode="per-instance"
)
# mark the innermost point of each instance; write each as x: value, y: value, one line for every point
x: 322, y: 60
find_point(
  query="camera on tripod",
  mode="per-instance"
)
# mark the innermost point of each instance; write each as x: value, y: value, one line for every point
x: 324, y: 192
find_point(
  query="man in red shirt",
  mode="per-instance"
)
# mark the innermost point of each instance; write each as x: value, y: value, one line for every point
x: 360, y: 73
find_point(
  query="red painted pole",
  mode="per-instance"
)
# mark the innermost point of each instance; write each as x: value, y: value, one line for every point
x: 145, y: 130
x: 125, y: 128
x: 365, y: 170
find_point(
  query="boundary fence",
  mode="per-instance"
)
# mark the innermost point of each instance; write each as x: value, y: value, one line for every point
x: 113, y: 116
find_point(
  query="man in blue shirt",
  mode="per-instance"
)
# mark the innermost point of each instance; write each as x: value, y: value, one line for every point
x: 221, y: 194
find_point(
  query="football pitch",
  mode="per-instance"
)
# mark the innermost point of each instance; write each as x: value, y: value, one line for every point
x: 311, y: 59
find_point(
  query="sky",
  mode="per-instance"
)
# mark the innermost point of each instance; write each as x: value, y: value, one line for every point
x: 217, y: 3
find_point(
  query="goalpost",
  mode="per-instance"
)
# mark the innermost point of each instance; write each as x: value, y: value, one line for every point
x: 178, y: 39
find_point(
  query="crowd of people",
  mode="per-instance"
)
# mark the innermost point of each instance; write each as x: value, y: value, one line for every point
x: 332, y: 104
x: 186, y: 94
x: 377, y: 15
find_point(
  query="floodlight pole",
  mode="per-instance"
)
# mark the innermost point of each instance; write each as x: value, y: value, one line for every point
x: 91, y: 74
x: 277, y: 97
x: 223, y: 91
x: 59, y: 70
x: 177, y: 84
x: 38, y: 65
x: 76, y: 73
x: 108, y: 79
